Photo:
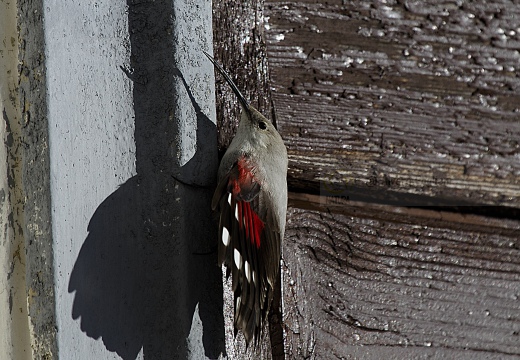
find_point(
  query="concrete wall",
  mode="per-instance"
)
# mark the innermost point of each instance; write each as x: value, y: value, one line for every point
x: 128, y: 127
x: 92, y: 151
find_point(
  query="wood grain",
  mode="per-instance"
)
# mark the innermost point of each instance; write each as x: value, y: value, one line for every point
x: 239, y: 45
x: 386, y: 105
x: 406, y: 103
x: 368, y: 282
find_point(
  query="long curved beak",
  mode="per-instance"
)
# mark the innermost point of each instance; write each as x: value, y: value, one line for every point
x: 241, y: 98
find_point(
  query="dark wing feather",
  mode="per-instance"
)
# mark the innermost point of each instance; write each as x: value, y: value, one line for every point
x: 249, y: 247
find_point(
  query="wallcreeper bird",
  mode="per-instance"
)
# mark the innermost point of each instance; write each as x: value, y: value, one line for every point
x: 251, y: 197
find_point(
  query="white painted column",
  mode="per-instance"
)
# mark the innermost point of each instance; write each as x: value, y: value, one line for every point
x: 92, y: 151
x: 130, y: 151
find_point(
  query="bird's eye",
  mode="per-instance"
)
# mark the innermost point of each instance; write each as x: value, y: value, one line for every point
x: 262, y: 125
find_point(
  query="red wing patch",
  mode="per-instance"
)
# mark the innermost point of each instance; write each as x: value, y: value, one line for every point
x: 242, y: 182
x: 245, y: 246
x: 249, y: 220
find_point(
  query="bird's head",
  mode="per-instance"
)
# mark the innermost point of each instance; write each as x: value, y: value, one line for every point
x: 257, y: 126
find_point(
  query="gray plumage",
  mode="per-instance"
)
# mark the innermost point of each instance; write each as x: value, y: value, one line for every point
x: 251, y: 197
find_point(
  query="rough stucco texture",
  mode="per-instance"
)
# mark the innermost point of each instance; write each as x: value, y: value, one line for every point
x: 133, y: 162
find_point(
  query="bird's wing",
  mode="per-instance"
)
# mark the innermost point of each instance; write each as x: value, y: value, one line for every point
x: 248, y: 246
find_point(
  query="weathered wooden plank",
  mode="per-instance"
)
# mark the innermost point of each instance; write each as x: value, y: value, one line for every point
x: 239, y: 44
x: 410, y: 103
x: 372, y: 281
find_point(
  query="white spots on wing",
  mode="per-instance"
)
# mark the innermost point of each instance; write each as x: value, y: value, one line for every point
x: 247, y: 271
x: 225, y: 236
x: 238, y: 259
x: 254, y: 277
x: 239, y: 300
x: 229, y: 199
x: 236, y: 212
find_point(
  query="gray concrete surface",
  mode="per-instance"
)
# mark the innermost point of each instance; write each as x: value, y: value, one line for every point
x: 92, y: 152
x: 126, y: 176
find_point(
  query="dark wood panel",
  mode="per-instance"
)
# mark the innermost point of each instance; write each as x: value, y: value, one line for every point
x: 371, y: 282
x: 239, y: 45
x: 409, y: 103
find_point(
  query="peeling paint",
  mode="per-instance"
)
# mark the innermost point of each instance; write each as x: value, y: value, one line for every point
x: 29, y: 195
x: 15, y: 342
